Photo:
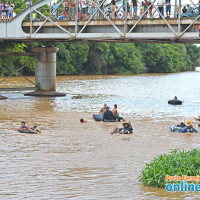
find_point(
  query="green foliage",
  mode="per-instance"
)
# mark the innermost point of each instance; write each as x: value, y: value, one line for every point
x: 176, y: 163
x: 108, y: 58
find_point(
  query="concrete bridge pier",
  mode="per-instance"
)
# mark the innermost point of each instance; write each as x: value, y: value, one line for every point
x: 45, y: 72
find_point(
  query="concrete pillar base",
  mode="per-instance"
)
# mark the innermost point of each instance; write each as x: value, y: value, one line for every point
x: 45, y: 73
x: 41, y: 93
x: 2, y: 97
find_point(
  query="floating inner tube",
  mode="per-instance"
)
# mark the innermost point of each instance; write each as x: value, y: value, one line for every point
x: 177, y: 102
x: 179, y: 129
x: 105, y: 120
x: 22, y: 131
x: 125, y: 132
x: 98, y: 117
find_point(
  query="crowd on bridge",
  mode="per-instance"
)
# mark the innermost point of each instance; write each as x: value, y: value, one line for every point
x: 6, y: 10
x: 135, y: 9
x: 139, y: 8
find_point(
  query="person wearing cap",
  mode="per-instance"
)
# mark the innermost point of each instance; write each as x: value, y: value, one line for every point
x: 127, y: 129
x: 188, y: 125
x: 108, y: 115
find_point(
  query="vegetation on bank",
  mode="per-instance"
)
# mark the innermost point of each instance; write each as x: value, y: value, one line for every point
x: 108, y: 58
x: 176, y: 163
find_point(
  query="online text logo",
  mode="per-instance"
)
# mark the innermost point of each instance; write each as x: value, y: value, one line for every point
x: 181, y: 184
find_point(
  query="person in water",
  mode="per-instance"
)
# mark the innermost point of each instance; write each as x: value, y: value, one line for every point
x: 35, y: 129
x: 175, y: 98
x: 116, y: 114
x: 127, y: 129
x: 99, y: 117
x: 23, y: 128
x: 197, y: 119
x: 188, y: 125
x: 108, y: 115
x: 103, y: 109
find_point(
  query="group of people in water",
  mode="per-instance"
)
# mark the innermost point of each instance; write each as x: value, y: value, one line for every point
x: 106, y: 115
x: 26, y: 129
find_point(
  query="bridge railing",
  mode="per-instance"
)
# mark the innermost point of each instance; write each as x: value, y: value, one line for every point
x: 105, y: 27
x: 119, y: 10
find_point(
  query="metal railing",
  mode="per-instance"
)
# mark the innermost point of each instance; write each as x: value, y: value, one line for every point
x: 120, y: 11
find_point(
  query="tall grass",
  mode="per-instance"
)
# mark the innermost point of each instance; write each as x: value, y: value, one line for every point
x: 175, y: 163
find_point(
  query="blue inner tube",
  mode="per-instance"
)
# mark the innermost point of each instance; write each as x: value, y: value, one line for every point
x: 22, y: 131
x: 177, y: 102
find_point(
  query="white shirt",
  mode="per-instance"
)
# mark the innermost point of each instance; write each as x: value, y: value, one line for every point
x: 160, y: 2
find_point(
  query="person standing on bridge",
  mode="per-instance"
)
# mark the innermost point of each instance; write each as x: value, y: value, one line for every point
x: 3, y: 11
x: 73, y: 7
x: 113, y: 8
x: 67, y: 8
x: 84, y: 8
x: 135, y: 2
x: 6, y: 8
x: 54, y: 8
x: 93, y: 7
x: 10, y: 12
x: 28, y: 4
x: 168, y: 8
x: 160, y: 4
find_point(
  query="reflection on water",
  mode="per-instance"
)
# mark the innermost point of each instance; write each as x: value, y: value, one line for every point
x: 70, y: 160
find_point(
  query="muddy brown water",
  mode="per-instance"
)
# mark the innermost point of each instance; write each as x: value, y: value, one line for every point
x: 70, y: 160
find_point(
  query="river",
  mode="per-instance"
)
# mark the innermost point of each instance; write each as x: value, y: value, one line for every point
x: 70, y: 160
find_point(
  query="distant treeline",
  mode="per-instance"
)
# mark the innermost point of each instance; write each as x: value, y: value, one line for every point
x: 108, y: 58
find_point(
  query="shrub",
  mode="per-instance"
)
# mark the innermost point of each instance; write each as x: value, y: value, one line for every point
x: 176, y: 163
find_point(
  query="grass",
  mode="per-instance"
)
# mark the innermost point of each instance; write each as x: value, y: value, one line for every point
x: 176, y: 163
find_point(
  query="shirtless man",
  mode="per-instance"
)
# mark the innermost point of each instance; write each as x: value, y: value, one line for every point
x: 73, y: 6
x: 197, y: 26
x: 67, y: 8
x: 103, y: 109
x: 116, y: 114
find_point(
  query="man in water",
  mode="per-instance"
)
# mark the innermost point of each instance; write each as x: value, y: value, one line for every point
x: 175, y: 98
x: 127, y: 129
x: 197, y: 26
x: 103, y: 109
x: 108, y: 115
x: 23, y: 128
x: 116, y: 114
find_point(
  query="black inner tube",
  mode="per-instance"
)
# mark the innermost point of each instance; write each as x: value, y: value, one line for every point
x: 177, y: 102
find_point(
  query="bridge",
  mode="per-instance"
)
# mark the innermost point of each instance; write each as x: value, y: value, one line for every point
x: 154, y: 30
x: 166, y: 30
